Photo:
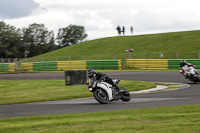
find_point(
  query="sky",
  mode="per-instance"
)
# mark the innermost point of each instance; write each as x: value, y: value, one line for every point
x: 101, y: 17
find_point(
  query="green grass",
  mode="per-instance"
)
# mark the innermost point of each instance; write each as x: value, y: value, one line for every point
x: 176, y: 119
x: 26, y: 91
x: 145, y: 46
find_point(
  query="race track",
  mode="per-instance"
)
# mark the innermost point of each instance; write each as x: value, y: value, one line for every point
x: 187, y: 96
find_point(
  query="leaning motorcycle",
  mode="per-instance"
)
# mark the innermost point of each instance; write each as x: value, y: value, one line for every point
x: 104, y: 92
x: 191, y: 73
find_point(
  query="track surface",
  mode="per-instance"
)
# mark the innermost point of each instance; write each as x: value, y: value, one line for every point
x: 190, y: 95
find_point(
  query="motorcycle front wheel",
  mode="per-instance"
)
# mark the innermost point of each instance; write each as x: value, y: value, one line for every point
x: 125, y: 96
x: 101, y: 96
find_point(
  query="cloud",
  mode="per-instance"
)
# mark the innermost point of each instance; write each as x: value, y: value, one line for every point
x: 101, y: 17
x: 10, y: 9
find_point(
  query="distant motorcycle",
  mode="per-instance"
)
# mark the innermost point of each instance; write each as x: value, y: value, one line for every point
x: 190, y: 73
x: 104, y: 92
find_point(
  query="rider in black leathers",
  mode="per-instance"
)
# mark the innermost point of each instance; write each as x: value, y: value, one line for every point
x: 184, y: 63
x: 100, y: 76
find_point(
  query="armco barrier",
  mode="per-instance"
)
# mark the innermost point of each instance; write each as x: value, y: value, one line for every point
x: 39, y: 66
x: 7, y: 67
x: 174, y: 64
x: 45, y: 66
x: 147, y: 64
x: 4, y: 67
x: 195, y: 62
x: 162, y: 64
x: 105, y: 64
x: 27, y: 66
x: 72, y: 65
x: 12, y: 67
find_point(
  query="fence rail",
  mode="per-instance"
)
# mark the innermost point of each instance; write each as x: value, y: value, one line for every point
x: 10, y: 60
x: 123, y: 56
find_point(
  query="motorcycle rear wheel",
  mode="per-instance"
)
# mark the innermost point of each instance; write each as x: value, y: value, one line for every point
x: 125, y: 96
x: 101, y: 96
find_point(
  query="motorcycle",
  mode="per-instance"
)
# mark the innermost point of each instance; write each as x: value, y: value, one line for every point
x: 190, y: 73
x: 104, y: 92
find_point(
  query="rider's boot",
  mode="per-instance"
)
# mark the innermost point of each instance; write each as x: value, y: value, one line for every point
x: 117, y: 81
x: 186, y: 76
x: 119, y: 89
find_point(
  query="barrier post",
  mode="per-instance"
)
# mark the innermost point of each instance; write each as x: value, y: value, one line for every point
x: 147, y: 55
x: 113, y: 57
x: 16, y: 67
x: 177, y: 55
x: 199, y: 55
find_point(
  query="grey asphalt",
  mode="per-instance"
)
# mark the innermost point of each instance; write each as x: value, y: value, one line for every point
x: 187, y: 96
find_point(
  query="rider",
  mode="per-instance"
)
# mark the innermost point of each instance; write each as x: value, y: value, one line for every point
x: 185, y: 66
x: 100, y: 76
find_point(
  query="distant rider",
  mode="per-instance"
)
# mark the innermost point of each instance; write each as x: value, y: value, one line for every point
x: 184, y: 66
x: 100, y: 76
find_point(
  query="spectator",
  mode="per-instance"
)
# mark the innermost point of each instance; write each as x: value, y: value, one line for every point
x: 131, y: 30
x: 123, y: 30
x: 119, y: 30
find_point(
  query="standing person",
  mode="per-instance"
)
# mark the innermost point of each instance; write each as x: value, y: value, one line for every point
x: 119, y: 30
x: 131, y: 30
x: 123, y: 30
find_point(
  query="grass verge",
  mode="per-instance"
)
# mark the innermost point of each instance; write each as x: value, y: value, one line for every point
x: 175, y: 119
x: 25, y: 91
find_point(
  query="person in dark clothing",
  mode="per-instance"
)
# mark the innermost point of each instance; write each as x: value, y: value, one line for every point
x: 184, y: 66
x: 131, y: 30
x: 119, y: 30
x: 100, y: 76
x: 183, y: 63
x: 123, y: 30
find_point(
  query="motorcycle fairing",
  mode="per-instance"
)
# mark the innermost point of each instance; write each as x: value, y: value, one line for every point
x: 107, y: 87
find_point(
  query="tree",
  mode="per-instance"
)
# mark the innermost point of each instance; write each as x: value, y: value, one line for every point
x: 9, y: 41
x: 71, y: 35
x: 37, y: 39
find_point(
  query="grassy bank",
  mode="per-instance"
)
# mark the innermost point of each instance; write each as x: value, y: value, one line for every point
x: 26, y: 91
x: 145, y: 46
x: 177, y: 119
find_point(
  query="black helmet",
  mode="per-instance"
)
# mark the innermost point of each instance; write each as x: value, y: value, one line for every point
x: 183, y: 61
x: 91, y: 72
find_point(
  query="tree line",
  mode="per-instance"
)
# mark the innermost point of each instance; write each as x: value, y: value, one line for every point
x: 36, y: 39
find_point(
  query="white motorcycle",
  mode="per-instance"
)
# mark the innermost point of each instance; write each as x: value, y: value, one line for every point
x: 190, y: 73
x: 104, y: 92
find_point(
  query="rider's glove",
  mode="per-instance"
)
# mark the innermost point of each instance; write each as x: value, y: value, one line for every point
x: 102, y: 79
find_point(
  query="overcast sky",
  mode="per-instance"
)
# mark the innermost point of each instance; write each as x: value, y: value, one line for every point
x: 101, y: 17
